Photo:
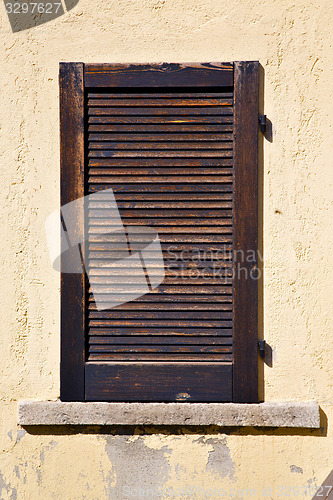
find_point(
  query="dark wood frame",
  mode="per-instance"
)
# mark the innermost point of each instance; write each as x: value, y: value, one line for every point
x: 245, y: 289
x: 244, y: 77
x: 72, y: 187
x: 158, y: 75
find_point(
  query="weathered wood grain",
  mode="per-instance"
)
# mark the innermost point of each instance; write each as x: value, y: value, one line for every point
x: 158, y: 75
x: 159, y: 381
x: 72, y: 187
x: 246, y: 96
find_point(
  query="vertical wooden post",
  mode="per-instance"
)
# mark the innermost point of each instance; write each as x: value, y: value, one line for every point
x: 72, y: 188
x: 245, y: 292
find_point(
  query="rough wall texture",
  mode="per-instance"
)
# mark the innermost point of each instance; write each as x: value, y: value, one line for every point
x: 293, y: 41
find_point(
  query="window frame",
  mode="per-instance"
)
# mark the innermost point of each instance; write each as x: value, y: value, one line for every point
x: 244, y: 77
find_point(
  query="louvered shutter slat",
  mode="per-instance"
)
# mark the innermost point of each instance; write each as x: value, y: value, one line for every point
x: 170, y: 333
x: 190, y: 138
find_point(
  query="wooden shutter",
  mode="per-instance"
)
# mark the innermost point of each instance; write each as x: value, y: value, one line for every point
x: 178, y: 146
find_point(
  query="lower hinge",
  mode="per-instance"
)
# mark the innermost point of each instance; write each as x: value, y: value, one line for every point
x: 262, y: 123
x: 262, y: 348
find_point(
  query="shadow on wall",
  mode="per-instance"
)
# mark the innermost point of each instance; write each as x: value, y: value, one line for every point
x: 266, y: 136
x: 260, y: 233
x: 27, y: 15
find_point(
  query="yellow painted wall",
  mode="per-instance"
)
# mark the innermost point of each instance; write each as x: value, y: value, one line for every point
x: 293, y: 42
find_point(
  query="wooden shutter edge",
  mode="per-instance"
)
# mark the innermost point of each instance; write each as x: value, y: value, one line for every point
x: 72, y: 187
x: 158, y: 382
x: 158, y: 75
x: 245, y: 292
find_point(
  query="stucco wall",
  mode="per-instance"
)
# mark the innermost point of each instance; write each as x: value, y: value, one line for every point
x: 293, y: 41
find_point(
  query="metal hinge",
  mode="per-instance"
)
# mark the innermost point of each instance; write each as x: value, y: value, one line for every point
x: 262, y: 348
x: 262, y: 123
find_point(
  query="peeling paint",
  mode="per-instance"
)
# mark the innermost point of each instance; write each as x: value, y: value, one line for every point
x: 20, y: 434
x: 294, y: 468
x: 4, y: 486
x: 134, y: 464
x: 47, y: 448
x: 17, y: 472
x: 219, y: 461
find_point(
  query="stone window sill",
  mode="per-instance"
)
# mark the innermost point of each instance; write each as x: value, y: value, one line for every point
x: 268, y: 414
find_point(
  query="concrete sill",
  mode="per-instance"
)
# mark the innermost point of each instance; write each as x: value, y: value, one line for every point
x: 268, y: 414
